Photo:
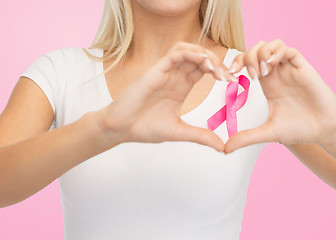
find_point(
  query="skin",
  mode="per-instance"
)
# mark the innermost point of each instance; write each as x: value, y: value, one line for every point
x: 31, y: 157
x: 167, y: 73
x: 153, y: 41
x: 302, y: 107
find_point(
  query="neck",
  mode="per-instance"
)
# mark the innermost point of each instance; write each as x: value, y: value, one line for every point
x: 155, y: 34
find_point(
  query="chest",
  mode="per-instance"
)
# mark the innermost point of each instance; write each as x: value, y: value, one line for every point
x: 177, y: 180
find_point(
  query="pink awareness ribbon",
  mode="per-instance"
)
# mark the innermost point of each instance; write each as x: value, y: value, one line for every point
x: 233, y: 104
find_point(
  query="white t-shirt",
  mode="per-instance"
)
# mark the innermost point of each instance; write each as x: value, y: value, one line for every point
x: 145, y: 191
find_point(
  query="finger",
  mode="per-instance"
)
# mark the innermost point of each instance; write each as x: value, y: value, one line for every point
x: 288, y: 55
x: 238, y: 64
x: 192, y: 61
x: 267, y: 52
x: 192, y: 58
x: 251, y: 61
x: 267, y: 55
x: 277, y: 52
x: 219, y: 70
x: 278, y: 56
x: 186, y: 55
x: 213, y: 63
x: 186, y: 132
x: 187, y: 67
x: 248, y: 137
x: 182, y: 57
x: 173, y: 59
x: 295, y: 58
x: 195, y: 75
x: 187, y: 46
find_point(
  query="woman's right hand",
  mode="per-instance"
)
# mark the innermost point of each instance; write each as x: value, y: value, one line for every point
x: 149, y: 109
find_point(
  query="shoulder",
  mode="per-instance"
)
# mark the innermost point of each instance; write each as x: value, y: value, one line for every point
x: 72, y: 54
x: 68, y: 62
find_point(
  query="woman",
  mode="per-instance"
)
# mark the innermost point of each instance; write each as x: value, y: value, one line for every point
x: 112, y: 187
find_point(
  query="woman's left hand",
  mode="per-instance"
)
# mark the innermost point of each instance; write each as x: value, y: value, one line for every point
x: 302, y: 108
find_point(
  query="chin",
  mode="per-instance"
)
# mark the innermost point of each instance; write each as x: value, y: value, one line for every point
x: 168, y: 7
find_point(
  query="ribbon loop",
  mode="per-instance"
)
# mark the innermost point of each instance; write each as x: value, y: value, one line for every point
x: 233, y: 104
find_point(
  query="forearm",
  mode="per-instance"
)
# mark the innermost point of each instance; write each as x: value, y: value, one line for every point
x: 329, y: 143
x: 28, y: 166
x: 320, y: 157
x: 318, y: 160
x: 330, y: 148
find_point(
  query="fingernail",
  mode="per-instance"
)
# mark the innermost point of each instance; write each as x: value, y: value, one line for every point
x: 210, y: 66
x: 204, y: 55
x: 270, y: 59
x: 252, y: 71
x: 233, y: 67
x: 263, y: 68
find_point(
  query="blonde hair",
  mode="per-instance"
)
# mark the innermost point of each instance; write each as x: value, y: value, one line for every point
x: 221, y: 21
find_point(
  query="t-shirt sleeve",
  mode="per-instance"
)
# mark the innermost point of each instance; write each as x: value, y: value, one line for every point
x: 43, y: 73
x: 46, y: 75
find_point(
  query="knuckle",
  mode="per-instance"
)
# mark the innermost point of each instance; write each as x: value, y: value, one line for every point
x: 174, y: 55
x: 263, y: 48
x: 210, y: 53
x: 247, y: 58
x: 294, y: 50
x: 239, y: 58
x: 278, y: 40
x: 264, y: 51
x: 178, y: 45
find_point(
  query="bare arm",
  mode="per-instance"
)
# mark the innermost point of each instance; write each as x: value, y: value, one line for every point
x: 320, y: 158
x: 319, y: 161
x: 302, y: 112
x: 30, y: 156
x: 147, y: 111
x: 329, y: 141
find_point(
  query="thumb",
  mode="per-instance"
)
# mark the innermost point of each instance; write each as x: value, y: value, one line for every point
x: 186, y: 132
x: 263, y: 133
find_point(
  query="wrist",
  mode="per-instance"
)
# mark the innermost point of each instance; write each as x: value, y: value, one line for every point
x: 103, y: 136
x: 328, y: 129
x: 327, y: 138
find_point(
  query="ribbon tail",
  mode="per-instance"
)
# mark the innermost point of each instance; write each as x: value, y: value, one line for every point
x: 217, y: 119
x: 231, y: 116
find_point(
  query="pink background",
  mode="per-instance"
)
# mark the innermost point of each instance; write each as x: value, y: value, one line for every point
x: 285, y: 200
